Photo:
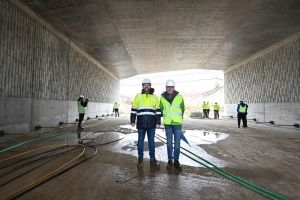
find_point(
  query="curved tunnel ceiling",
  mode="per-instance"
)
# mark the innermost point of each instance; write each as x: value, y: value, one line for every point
x: 130, y: 37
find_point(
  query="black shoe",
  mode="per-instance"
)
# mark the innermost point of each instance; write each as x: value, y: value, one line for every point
x: 169, y: 164
x: 239, y: 127
x: 177, y: 164
x: 153, y: 162
x: 140, y: 162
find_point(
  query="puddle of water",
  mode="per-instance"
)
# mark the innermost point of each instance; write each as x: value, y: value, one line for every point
x: 195, y: 137
x: 204, y: 137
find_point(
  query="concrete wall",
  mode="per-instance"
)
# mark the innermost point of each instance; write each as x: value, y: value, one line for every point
x: 269, y: 82
x: 42, y: 73
x: 281, y: 113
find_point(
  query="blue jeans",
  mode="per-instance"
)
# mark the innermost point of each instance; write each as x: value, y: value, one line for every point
x: 170, y: 131
x: 216, y: 112
x: 151, y: 144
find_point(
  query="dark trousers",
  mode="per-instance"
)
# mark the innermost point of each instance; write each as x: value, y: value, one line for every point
x: 216, y: 114
x: 116, y: 112
x: 244, y: 119
x: 204, y: 113
x: 207, y: 112
x: 81, y: 116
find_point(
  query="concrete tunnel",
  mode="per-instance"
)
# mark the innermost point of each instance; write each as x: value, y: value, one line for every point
x: 53, y: 51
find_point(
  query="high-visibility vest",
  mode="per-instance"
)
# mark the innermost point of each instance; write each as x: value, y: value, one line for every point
x: 172, y: 112
x: 203, y: 106
x: 145, y: 104
x: 242, y: 109
x: 116, y: 105
x: 208, y: 106
x: 141, y: 101
x: 216, y: 106
x: 81, y: 109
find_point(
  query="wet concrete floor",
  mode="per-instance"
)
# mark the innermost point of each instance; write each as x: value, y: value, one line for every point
x: 100, y: 162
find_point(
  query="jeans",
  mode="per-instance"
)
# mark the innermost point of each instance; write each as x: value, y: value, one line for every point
x: 216, y: 113
x: 151, y: 143
x: 170, y: 131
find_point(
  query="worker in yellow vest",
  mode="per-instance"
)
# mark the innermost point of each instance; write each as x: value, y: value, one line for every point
x: 204, y: 110
x: 172, y: 108
x: 116, y: 109
x: 242, y: 110
x: 207, y: 109
x: 216, y: 110
x: 145, y: 108
x: 81, y: 105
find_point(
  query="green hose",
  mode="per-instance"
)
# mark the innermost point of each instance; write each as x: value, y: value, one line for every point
x: 232, y: 177
x: 45, y: 137
x: 224, y: 171
x: 28, y: 141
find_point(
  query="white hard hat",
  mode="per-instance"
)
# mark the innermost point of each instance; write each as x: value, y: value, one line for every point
x: 81, y: 96
x: 170, y: 83
x: 146, y: 81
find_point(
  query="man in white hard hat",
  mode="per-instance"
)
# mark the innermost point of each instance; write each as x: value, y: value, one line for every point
x: 172, y: 108
x: 145, y: 108
x: 81, y: 105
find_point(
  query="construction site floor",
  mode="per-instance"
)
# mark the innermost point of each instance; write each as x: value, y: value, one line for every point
x: 100, y: 162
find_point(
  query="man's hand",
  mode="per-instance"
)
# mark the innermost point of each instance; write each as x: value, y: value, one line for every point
x: 133, y: 124
x: 157, y: 125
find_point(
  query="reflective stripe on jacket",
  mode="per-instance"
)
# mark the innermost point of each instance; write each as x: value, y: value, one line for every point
x: 172, y: 112
x: 145, y: 108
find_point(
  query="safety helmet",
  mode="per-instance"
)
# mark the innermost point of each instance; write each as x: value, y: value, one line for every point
x: 170, y: 82
x: 81, y: 96
x: 146, y: 81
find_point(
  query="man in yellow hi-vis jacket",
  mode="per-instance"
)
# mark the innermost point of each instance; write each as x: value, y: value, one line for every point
x: 172, y: 108
x: 116, y: 109
x: 145, y: 108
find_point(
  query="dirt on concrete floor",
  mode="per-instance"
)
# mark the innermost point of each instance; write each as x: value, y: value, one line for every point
x: 266, y: 156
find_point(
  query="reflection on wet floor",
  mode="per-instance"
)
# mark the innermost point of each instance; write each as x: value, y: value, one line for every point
x: 196, y: 138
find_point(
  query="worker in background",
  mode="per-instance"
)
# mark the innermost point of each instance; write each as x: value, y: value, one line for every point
x: 145, y: 108
x: 204, y: 109
x: 242, y: 110
x: 172, y: 108
x: 216, y: 110
x: 81, y: 105
x: 207, y: 109
x: 116, y: 109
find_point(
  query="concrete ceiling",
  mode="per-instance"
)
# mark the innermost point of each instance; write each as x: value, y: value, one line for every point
x: 130, y: 37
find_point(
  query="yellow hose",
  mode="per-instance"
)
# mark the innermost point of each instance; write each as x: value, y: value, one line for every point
x: 35, y: 182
